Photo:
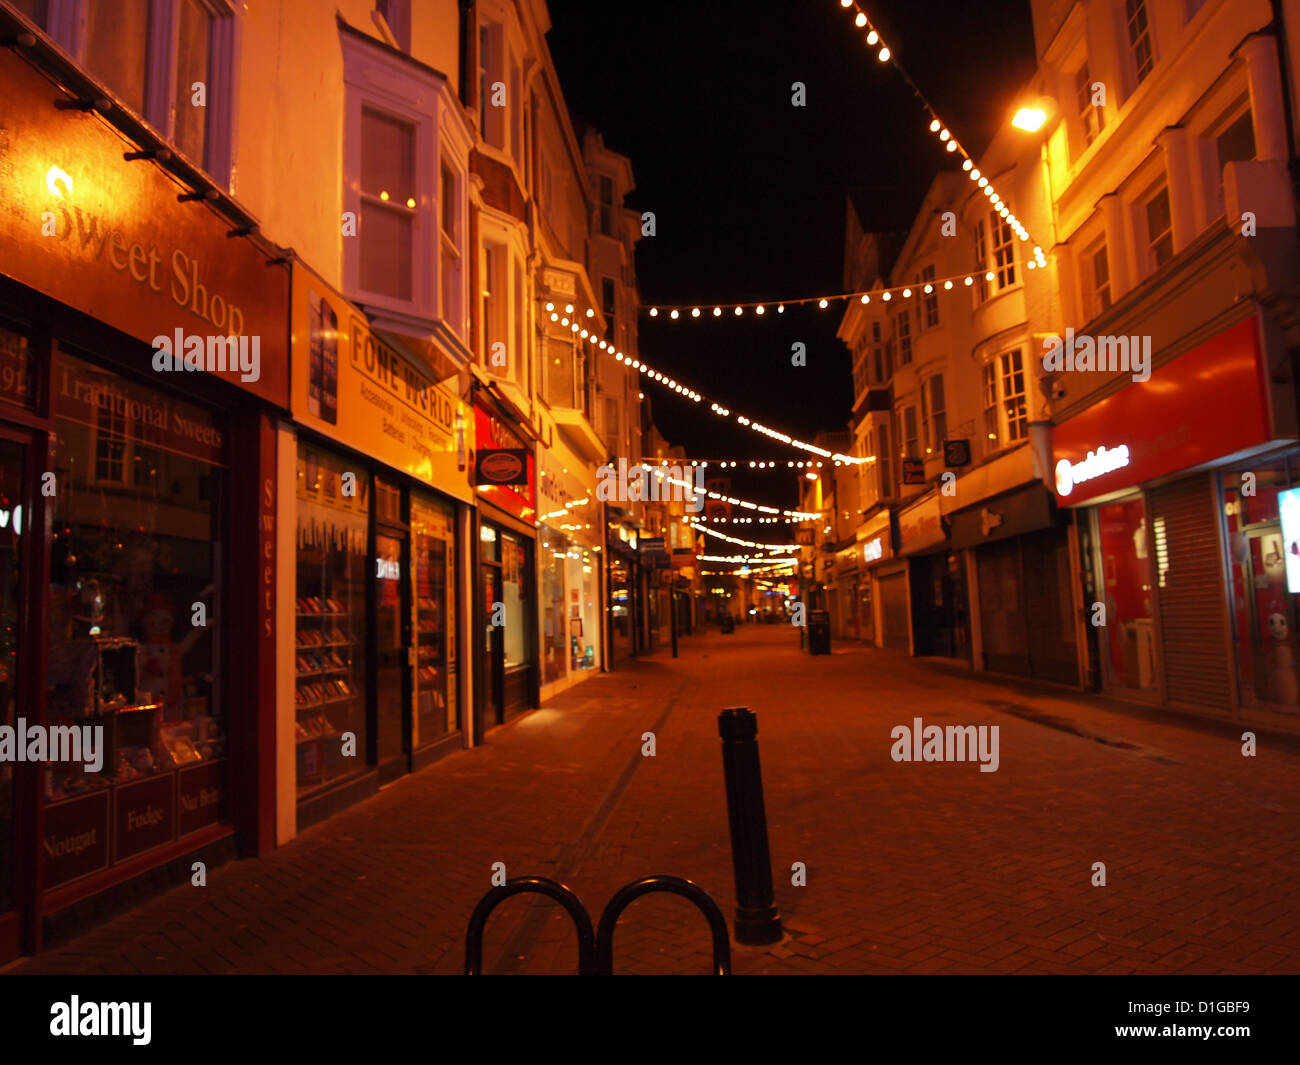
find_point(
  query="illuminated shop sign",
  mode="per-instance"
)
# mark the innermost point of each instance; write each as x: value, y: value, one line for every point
x: 873, y: 550
x: 1096, y: 464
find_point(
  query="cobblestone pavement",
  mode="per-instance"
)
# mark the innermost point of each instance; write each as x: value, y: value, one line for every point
x: 911, y: 867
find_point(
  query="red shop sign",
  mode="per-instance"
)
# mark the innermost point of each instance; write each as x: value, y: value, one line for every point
x: 490, y: 433
x: 1207, y: 403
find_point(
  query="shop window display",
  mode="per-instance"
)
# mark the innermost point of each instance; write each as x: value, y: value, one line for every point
x: 1124, y: 544
x: 551, y: 558
x: 584, y: 602
x: 329, y: 632
x: 1261, y: 543
x: 134, y: 595
x: 434, y: 605
x: 514, y: 594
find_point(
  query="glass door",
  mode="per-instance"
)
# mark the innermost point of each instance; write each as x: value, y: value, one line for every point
x: 493, y: 665
x: 392, y: 653
x: 1130, y: 663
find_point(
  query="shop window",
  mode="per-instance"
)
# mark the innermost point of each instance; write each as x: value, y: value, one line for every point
x: 551, y: 562
x: 515, y: 583
x: 1139, y: 37
x: 433, y: 603
x: 330, y: 618
x: 1265, y: 601
x: 1160, y: 227
x: 133, y: 562
x: 12, y: 491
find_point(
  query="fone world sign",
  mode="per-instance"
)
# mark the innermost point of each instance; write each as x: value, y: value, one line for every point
x: 1097, y: 463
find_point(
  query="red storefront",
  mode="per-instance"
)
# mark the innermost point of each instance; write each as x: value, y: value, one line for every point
x: 137, y: 512
x: 1176, y: 484
x: 506, y: 676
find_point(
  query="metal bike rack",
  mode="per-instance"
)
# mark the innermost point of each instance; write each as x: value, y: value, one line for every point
x: 539, y: 885
x: 596, y: 952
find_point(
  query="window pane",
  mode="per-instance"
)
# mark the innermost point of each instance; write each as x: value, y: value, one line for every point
x: 117, y: 37
x: 192, y: 66
x: 1237, y: 143
x: 387, y: 157
x: 1159, y: 223
x: 386, y: 251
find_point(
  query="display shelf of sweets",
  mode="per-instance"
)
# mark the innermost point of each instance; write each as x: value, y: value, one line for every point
x: 318, y: 607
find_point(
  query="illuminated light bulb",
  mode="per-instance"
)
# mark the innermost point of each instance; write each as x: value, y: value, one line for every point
x: 947, y: 284
x: 695, y: 312
x: 583, y: 334
x: 975, y: 174
x: 554, y: 317
x: 619, y: 357
x: 654, y: 312
x: 943, y: 133
x: 564, y: 321
x: 934, y: 126
x: 780, y: 308
x: 740, y: 311
x: 550, y: 306
x: 568, y: 308
x: 983, y: 181
x: 866, y: 298
x: 873, y: 37
x: 717, y: 312
x: 1030, y: 265
x: 846, y: 3
x: 591, y: 313
x: 759, y: 309
x: 673, y: 315
x: 887, y: 297
x: 967, y: 165
x: 383, y: 195
x: 884, y: 55
x: 952, y: 146
x: 860, y: 21
x: 988, y: 276
x: 751, y: 465
x: 907, y: 293
x: 969, y: 280
x: 602, y: 345
x: 574, y: 327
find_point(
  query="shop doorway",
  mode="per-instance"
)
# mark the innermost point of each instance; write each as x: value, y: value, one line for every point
x: 13, y: 523
x: 492, y: 667
x: 392, y: 655
x: 1129, y: 660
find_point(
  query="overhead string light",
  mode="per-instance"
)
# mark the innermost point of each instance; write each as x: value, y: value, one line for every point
x: 764, y: 559
x: 742, y: 543
x: 752, y: 464
x: 796, y: 515
x: 880, y: 295
x: 945, y: 135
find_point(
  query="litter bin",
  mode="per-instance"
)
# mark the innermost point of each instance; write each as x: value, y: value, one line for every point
x: 728, y: 623
x: 819, y: 632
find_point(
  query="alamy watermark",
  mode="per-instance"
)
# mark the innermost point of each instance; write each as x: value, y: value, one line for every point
x: 55, y: 743
x: 1104, y: 354
x: 955, y: 743
x: 213, y: 354
x: 626, y: 483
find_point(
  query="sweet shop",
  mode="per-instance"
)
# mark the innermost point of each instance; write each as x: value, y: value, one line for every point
x: 129, y: 501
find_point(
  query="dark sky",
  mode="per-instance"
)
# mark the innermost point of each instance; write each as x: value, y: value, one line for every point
x: 749, y: 191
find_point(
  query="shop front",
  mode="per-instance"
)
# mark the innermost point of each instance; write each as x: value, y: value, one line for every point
x: 1022, y: 591
x: 626, y: 594
x: 507, y: 647
x: 382, y: 498
x: 937, y: 586
x: 569, y: 565
x: 876, y: 555
x: 131, y: 487
x: 1185, y: 544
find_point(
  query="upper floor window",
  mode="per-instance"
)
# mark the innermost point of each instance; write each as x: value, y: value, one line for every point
x: 609, y: 305
x: 883, y: 461
x: 1092, y: 119
x: 936, y: 429
x: 1014, y: 411
x: 1097, y: 272
x: 1139, y: 36
x: 500, y: 107
x: 1160, y: 231
x: 989, y: 394
x: 909, y: 441
x: 903, y: 329
x: 388, y: 205
x: 930, y: 300
x: 1003, y: 251
x: 167, y: 60
x: 607, y: 205
x: 981, y: 261
x: 1236, y: 144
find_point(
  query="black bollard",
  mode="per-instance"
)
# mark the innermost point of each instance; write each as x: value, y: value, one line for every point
x: 672, y: 600
x: 757, y: 919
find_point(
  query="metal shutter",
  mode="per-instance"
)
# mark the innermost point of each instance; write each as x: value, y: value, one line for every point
x: 893, y: 610
x: 1184, y: 539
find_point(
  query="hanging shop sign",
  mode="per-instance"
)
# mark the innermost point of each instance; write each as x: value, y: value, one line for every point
x: 956, y: 454
x: 500, y: 466
x: 109, y: 238
x: 492, y: 434
x: 920, y: 526
x: 913, y: 471
x: 1209, y: 402
x: 351, y: 385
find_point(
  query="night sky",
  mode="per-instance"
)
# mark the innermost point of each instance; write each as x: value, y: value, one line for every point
x: 749, y: 191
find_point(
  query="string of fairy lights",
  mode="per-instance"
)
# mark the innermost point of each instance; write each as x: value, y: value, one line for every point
x: 742, y: 543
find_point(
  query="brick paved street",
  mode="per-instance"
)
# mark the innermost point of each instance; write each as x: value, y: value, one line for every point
x: 916, y: 868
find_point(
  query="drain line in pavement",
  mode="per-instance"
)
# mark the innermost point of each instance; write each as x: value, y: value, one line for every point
x: 575, y: 853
